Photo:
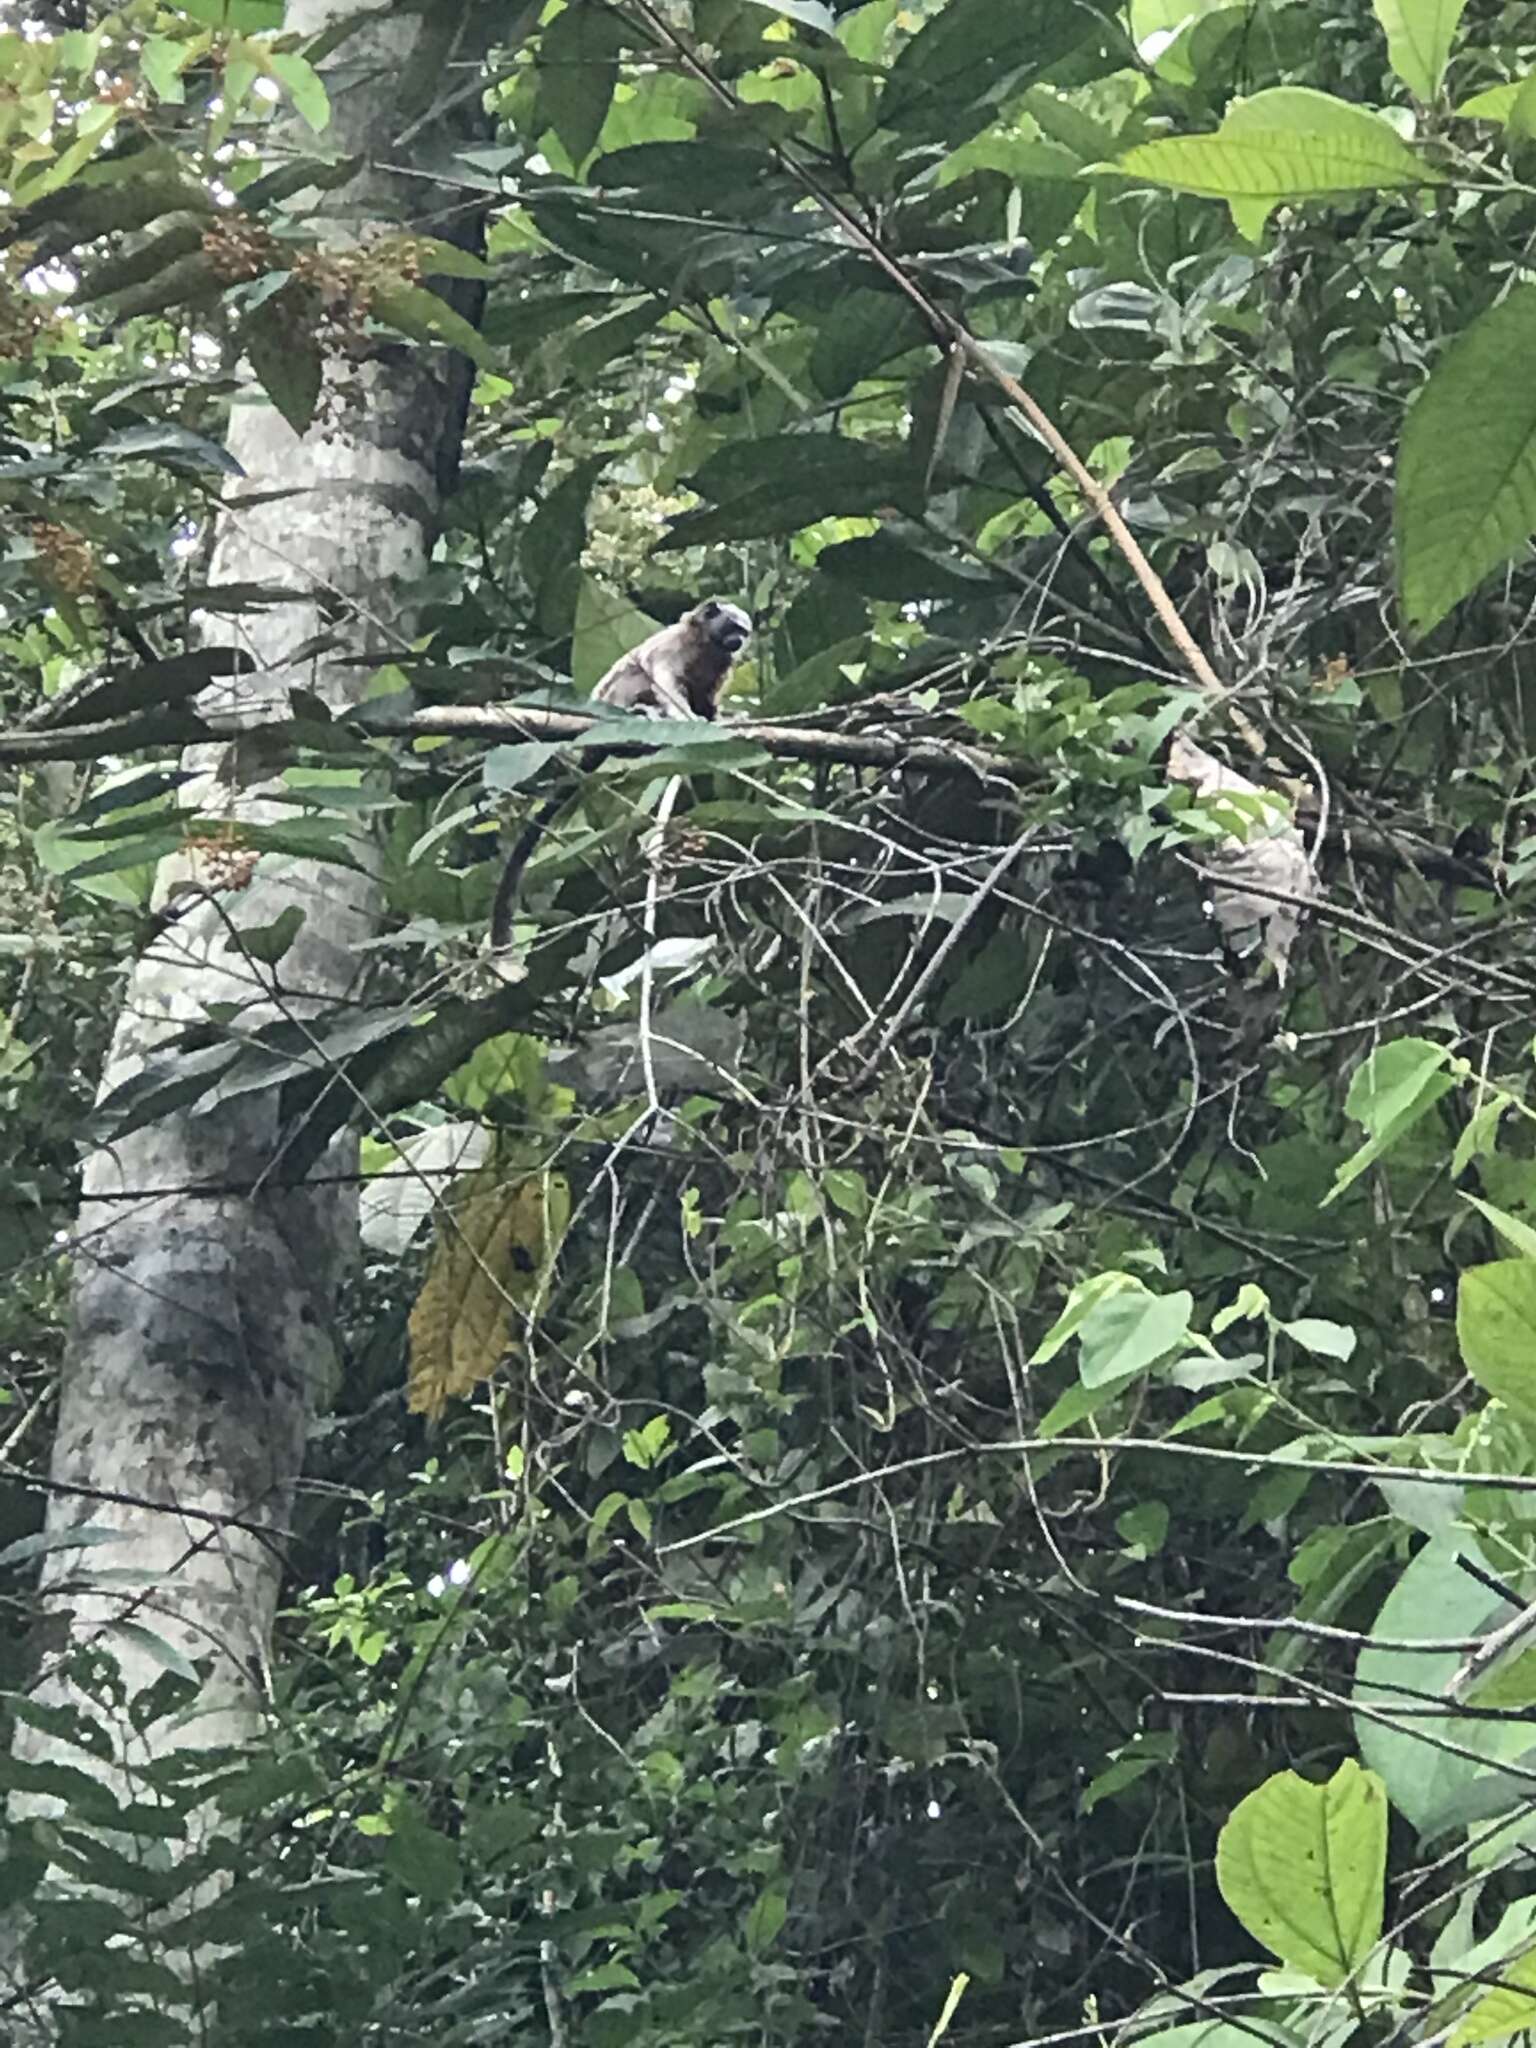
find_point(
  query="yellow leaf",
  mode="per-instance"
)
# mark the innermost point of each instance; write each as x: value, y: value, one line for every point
x: 494, y: 1252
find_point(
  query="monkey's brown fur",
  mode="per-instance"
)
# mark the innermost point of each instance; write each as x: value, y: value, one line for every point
x: 680, y: 672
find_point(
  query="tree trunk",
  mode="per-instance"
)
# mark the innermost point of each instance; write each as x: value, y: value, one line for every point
x: 202, y: 1327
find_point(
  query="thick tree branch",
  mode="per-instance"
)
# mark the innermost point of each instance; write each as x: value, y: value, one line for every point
x: 497, y: 723
x: 501, y: 722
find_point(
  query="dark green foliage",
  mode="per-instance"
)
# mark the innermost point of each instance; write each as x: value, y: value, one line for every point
x: 879, y: 1565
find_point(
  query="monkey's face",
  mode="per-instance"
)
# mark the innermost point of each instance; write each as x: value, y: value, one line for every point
x: 726, y: 624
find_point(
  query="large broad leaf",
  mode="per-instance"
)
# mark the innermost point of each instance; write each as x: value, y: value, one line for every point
x: 177, y: 447
x: 489, y: 1266
x: 899, y: 570
x: 648, y: 247
x: 1513, y: 104
x: 1419, y: 37
x: 607, y: 626
x: 248, y: 17
x: 712, y: 174
x: 856, y: 333
x: 170, y: 681
x: 578, y: 68
x: 1303, y: 1867
x: 305, y: 89
x: 1288, y: 143
x: 1250, y: 2032
x: 786, y: 481
x: 814, y: 13
x: 425, y: 317
x: 1466, y: 471
x: 579, y: 355
x: 1129, y: 1331
x: 1496, y: 1326
x: 968, y: 54
x: 519, y: 325
x: 285, y: 355
x: 1440, y: 1772
x: 550, y: 555
x: 182, y: 235
x: 1511, y: 2009
x: 1397, y: 1085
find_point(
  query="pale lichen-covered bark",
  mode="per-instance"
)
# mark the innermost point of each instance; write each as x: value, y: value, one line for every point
x: 202, y: 1334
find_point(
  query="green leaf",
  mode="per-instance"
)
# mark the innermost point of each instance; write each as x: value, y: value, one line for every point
x: 858, y: 332
x: 888, y: 566
x: 170, y: 681
x: 1289, y: 143
x: 1144, y: 1528
x: 1419, y: 38
x: 520, y: 325
x: 1517, y: 1233
x: 645, y: 1446
x: 990, y: 984
x: 143, y: 851
x: 96, y: 123
x: 160, y: 1649
x: 510, y: 767
x: 1328, y: 1340
x: 552, y: 545
x: 581, y: 353
x: 607, y: 627
x: 43, y: 1542
x: 421, y: 1858
x: 604, y: 1977
x: 446, y: 259
x: 286, y: 359
x: 1496, y: 102
x: 578, y: 68
x: 1085, y: 1297
x: 1436, y: 1788
x: 413, y: 310
x: 1492, y: 103
x: 706, y: 174
x: 161, y: 60
x: 1304, y: 1866
x: 1130, y: 1331
x: 765, y: 1919
x: 1496, y: 1328
x: 247, y: 17
x: 1141, y: 1754
x: 1391, y: 1082
x: 269, y: 942
x: 814, y: 13
x: 969, y: 54
x: 846, y: 1190
x: 1509, y: 2009
x: 310, y: 98
x: 1466, y: 469
x: 177, y: 447
x: 782, y: 482
x: 1397, y: 1085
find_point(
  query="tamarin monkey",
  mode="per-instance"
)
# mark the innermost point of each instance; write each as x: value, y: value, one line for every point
x: 680, y: 672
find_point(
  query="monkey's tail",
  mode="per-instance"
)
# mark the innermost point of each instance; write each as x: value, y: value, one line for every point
x: 504, y: 909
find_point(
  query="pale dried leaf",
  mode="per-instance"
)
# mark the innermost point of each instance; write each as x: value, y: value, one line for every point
x: 1250, y: 878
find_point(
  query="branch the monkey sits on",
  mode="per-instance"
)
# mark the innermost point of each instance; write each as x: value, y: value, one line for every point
x: 679, y: 672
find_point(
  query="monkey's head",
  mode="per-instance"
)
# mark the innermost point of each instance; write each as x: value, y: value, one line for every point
x: 726, y: 625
